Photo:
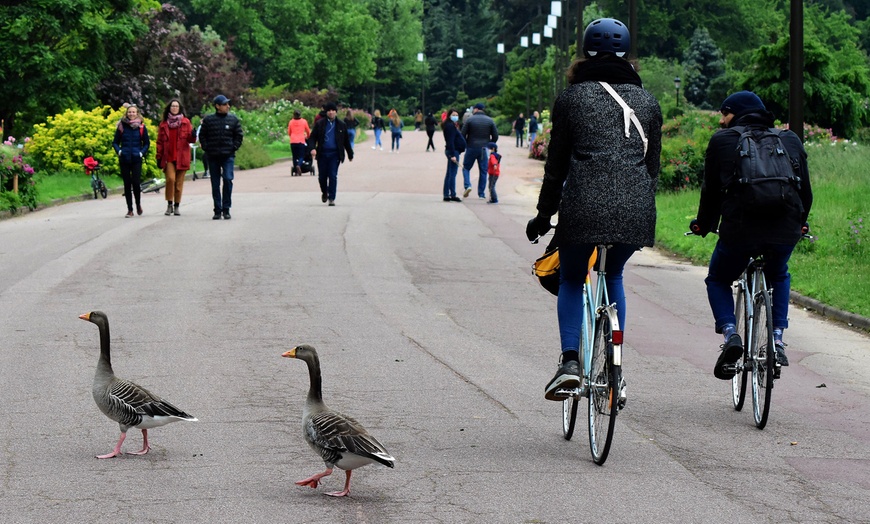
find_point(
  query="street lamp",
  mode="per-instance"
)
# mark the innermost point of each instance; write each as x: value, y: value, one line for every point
x: 421, y: 58
x: 459, y: 54
x: 677, y: 83
x: 524, y: 42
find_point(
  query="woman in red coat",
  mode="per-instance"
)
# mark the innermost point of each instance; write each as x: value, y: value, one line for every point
x: 173, y: 152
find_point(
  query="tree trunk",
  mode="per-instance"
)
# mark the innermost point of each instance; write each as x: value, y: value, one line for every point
x: 15, y: 183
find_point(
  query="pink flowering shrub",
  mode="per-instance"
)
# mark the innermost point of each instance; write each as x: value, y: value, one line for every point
x: 15, y: 174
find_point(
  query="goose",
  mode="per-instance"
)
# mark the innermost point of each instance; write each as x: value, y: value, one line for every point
x: 128, y: 404
x: 340, y: 440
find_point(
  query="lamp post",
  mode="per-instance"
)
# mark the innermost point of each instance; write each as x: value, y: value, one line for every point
x: 459, y: 55
x: 524, y: 42
x: 421, y: 58
x: 499, y: 48
x: 677, y: 83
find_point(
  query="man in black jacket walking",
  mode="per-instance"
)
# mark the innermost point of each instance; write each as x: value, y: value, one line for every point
x: 221, y: 136
x: 328, y: 144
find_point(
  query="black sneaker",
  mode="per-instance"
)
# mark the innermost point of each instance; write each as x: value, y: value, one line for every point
x: 779, y: 347
x: 732, y: 350
x: 227, y: 215
x: 455, y: 199
x: 217, y: 215
x: 567, y: 377
x: 323, y: 197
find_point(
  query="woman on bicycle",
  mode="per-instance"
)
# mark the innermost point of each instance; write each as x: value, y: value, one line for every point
x: 600, y: 181
x: 174, y: 136
x: 131, y: 143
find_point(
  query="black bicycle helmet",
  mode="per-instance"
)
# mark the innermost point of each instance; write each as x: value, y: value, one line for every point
x: 606, y: 35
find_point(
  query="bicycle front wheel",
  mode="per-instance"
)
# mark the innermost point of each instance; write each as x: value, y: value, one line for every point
x: 103, y: 191
x: 569, y: 416
x: 738, y: 381
x: 603, y: 390
x: 762, y: 356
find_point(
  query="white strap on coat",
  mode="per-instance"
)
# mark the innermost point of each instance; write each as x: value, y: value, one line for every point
x: 628, y: 116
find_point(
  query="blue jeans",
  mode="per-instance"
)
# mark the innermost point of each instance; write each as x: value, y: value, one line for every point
x: 726, y: 265
x: 378, y: 132
x: 573, y: 262
x: 327, y: 172
x: 493, y: 196
x: 532, y: 137
x: 221, y: 169
x: 450, y: 178
x: 520, y: 138
x: 351, y: 136
x: 477, y: 154
x: 394, y: 140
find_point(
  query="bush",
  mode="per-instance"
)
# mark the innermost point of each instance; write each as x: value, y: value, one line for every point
x: 684, y: 144
x: 13, y: 166
x: 64, y: 140
x: 252, y: 155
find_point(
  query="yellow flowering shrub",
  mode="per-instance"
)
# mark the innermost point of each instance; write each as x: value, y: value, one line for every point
x: 64, y: 140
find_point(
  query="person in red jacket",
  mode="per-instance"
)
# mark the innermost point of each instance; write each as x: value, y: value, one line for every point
x: 174, y: 137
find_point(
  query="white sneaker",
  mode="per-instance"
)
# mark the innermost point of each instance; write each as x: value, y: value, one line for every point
x: 373, y: 147
x: 382, y: 148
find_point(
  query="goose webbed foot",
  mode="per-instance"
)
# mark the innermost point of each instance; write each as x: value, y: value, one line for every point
x: 346, y: 489
x: 314, y: 480
x: 115, y: 452
x: 145, y: 446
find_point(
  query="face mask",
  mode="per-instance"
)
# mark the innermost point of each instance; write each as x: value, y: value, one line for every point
x: 454, y: 118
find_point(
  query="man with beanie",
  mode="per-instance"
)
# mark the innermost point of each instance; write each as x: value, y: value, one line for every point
x: 745, y: 231
x: 328, y: 144
x: 478, y: 131
x: 220, y: 136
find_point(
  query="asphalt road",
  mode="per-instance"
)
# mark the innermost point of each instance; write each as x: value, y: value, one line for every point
x: 431, y: 332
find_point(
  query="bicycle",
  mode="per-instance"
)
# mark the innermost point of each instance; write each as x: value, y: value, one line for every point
x: 753, y: 310
x: 92, y: 168
x: 601, y: 349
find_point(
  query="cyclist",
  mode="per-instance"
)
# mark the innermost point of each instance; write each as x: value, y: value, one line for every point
x: 601, y: 181
x: 743, y: 232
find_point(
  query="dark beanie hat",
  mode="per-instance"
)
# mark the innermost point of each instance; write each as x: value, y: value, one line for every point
x: 330, y: 106
x: 742, y: 102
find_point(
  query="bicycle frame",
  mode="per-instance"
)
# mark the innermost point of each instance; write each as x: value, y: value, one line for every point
x: 591, y: 310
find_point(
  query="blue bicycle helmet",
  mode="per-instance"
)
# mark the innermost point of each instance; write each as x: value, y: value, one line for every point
x: 606, y: 35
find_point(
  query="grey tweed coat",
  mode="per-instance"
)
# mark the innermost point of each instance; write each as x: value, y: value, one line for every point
x: 599, y: 181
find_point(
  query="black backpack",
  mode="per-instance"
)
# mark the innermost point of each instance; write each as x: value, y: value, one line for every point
x: 766, y: 181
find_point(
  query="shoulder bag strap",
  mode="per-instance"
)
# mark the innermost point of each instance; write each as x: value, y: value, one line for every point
x: 628, y: 115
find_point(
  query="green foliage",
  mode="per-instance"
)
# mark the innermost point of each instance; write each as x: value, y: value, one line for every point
x: 252, y: 155
x: 16, y: 175
x: 684, y: 144
x: 703, y: 64
x: 64, y: 140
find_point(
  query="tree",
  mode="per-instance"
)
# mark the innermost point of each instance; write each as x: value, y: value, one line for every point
x: 54, y: 52
x: 703, y: 64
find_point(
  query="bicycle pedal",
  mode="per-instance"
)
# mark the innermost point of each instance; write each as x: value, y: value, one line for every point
x: 568, y: 392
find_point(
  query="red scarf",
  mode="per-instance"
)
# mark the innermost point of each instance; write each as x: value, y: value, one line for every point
x: 174, y: 120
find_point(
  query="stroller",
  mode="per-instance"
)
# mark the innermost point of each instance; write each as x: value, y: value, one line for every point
x: 92, y: 168
x: 307, y: 166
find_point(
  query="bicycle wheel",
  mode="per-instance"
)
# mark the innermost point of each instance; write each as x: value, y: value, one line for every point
x: 103, y: 191
x: 603, y: 390
x: 762, y: 356
x: 569, y: 416
x: 741, y: 311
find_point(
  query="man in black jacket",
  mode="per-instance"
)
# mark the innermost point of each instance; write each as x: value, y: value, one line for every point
x: 221, y: 136
x: 745, y: 232
x: 328, y: 144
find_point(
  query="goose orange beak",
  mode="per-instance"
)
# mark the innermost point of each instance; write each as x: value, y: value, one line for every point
x: 86, y: 316
x: 290, y: 354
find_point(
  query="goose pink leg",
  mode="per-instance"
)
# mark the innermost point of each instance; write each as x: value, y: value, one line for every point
x: 145, y: 447
x: 346, y: 487
x: 115, y: 452
x: 313, y: 480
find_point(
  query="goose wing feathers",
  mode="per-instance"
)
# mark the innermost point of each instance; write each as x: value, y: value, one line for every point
x: 129, y: 404
x: 333, y: 435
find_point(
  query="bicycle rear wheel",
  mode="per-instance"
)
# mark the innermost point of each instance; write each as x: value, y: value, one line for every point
x: 569, y: 416
x: 738, y: 381
x: 603, y: 390
x: 103, y: 191
x: 762, y: 356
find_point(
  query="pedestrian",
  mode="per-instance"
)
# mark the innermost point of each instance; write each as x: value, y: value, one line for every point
x: 352, y: 123
x: 533, y: 129
x: 430, y: 130
x: 478, y: 130
x: 493, y: 170
x: 131, y: 142
x: 519, y: 128
x: 174, y: 138
x: 418, y: 119
x: 747, y: 230
x: 298, y: 131
x: 221, y: 136
x: 454, y: 145
x: 600, y: 176
x: 328, y: 145
x: 395, y: 130
x: 378, y: 126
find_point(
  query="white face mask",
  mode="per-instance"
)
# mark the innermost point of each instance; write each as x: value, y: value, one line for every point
x: 455, y: 118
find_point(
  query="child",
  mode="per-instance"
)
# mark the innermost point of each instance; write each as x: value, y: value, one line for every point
x: 493, y: 170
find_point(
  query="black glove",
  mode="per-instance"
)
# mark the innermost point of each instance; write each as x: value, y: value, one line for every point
x: 537, y: 227
x: 694, y: 227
